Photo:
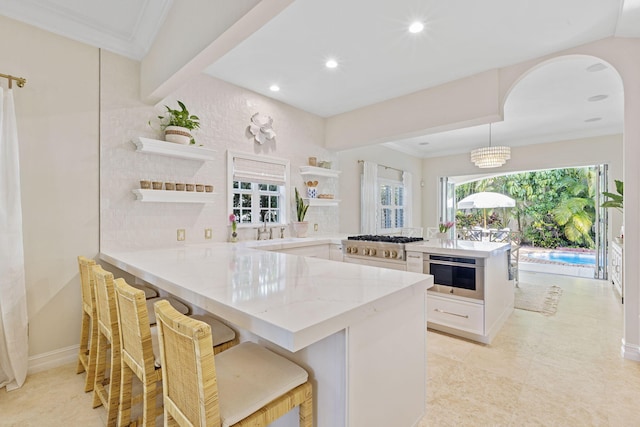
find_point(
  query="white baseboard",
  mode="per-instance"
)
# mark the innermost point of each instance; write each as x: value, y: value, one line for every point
x: 630, y: 351
x: 52, y: 359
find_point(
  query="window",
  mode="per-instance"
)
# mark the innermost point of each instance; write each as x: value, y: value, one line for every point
x: 391, y: 205
x: 258, y: 188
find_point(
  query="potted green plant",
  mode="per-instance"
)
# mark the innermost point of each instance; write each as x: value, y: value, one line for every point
x: 616, y: 199
x: 179, y: 124
x: 300, y: 226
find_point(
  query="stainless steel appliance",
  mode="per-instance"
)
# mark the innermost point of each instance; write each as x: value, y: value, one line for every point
x: 456, y: 275
x: 377, y: 250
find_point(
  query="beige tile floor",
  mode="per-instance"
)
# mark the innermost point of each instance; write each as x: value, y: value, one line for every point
x: 561, y: 370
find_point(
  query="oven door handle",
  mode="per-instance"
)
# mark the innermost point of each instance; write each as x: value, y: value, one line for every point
x: 453, y: 264
x: 465, y: 316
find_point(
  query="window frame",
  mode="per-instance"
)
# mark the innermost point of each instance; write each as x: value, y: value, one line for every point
x: 255, y: 192
x: 395, y: 184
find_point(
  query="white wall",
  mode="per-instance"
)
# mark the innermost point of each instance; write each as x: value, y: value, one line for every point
x: 57, y: 114
x: 350, y: 182
x: 225, y: 111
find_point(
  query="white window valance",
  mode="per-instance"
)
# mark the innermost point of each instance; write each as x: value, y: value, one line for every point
x: 264, y: 171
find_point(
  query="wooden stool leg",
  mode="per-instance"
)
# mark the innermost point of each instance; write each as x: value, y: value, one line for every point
x: 306, y: 409
x: 149, y: 404
x: 83, y: 352
x: 101, y: 366
x: 91, y: 357
x: 114, y: 388
x: 126, y: 391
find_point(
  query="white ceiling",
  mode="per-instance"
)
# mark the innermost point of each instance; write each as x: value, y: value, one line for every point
x: 379, y: 59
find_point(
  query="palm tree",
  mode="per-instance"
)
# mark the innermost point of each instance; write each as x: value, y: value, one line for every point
x: 576, y: 211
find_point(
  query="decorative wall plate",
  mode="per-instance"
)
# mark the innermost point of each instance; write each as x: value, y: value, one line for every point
x: 261, y: 128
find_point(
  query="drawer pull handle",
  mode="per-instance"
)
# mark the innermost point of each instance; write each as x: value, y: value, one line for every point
x: 466, y: 316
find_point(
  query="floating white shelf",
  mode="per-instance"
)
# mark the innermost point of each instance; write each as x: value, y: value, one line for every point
x: 315, y: 171
x: 174, y: 196
x: 322, y: 202
x: 170, y: 149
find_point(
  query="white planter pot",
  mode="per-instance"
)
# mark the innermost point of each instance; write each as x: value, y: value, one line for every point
x: 177, y: 134
x: 300, y: 228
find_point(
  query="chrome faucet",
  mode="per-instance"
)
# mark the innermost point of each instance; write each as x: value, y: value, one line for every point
x: 262, y: 232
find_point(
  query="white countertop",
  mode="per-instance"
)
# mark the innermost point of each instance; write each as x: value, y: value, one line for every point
x: 458, y: 247
x: 290, y: 300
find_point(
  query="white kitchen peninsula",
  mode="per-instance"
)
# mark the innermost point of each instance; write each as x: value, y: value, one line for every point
x: 359, y: 331
x: 477, y: 318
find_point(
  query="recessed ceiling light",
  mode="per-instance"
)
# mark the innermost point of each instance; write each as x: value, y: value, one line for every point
x: 423, y: 143
x: 331, y: 63
x: 274, y: 88
x: 595, y: 98
x: 598, y: 66
x: 416, y: 27
x: 593, y: 119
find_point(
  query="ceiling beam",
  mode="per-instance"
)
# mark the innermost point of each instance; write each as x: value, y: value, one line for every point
x: 197, y: 33
x: 462, y: 103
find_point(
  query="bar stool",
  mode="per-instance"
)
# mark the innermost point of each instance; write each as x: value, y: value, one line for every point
x: 106, y: 391
x: 89, y: 325
x: 245, y: 385
x: 139, y: 352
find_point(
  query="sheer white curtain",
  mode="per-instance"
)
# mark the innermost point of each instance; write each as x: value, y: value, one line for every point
x: 407, y: 183
x: 369, y: 199
x: 13, y: 298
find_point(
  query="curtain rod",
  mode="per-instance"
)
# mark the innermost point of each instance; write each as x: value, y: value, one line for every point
x: 383, y: 166
x: 21, y: 81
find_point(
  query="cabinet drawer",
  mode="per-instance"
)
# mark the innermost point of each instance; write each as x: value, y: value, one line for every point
x: 414, y: 262
x: 460, y: 315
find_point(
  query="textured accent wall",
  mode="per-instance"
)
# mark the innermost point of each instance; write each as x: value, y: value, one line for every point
x: 225, y: 111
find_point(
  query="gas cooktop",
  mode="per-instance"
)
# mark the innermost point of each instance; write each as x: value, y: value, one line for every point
x: 386, y: 239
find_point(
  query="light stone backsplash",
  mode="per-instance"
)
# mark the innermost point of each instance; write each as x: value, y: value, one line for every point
x: 225, y: 111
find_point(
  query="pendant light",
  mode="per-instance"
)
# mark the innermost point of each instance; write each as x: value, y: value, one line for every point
x: 490, y: 157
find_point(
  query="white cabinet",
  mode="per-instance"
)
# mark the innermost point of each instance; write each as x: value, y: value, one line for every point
x: 474, y: 319
x: 327, y: 184
x: 457, y: 314
x: 617, y: 268
x: 414, y: 262
x: 335, y: 252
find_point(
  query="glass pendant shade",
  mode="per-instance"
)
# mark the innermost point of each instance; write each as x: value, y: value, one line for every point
x: 490, y: 157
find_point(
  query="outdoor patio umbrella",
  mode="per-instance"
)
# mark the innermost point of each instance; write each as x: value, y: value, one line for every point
x: 485, y: 200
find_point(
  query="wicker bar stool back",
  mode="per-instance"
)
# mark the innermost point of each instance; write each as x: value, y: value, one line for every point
x: 244, y: 385
x: 137, y: 354
x: 106, y: 391
x: 140, y: 350
x: 89, y: 325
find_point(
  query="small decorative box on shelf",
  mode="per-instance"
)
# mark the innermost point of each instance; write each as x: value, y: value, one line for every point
x: 171, y: 149
x: 316, y: 171
x: 173, y: 196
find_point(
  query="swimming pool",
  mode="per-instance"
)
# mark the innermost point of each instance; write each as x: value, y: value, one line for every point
x: 576, y: 258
